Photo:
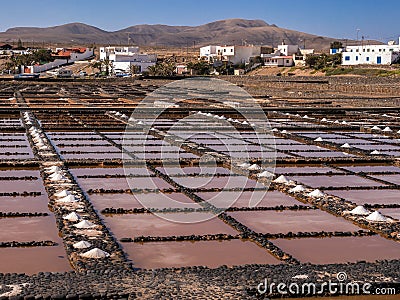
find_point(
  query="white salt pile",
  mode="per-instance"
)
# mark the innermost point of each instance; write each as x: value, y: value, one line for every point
x: 254, y: 167
x: 265, y: 174
x: 282, y: 179
x: 82, y: 245
x: 95, y: 253
x: 316, y: 194
x: 359, y: 210
x: 376, y: 216
x: 84, y: 224
x: 297, y: 188
x: 72, y: 217
x: 345, y: 145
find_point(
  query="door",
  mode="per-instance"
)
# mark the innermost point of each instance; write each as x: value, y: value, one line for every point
x: 379, y: 60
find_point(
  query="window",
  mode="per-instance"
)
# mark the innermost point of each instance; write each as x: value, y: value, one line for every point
x: 356, y: 57
x: 347, y: 58
x: 367, y: 58
x: 231, y: 50
x: 287, y: 61
x: 224, y: 50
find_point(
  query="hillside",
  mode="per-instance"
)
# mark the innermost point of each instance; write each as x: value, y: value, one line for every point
x: 231, y: 31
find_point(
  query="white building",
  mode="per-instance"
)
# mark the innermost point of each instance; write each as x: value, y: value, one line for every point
x: 61, y: 57
x: 106, y: 52
x: 122, y: 58
x: 233, y: 54
x: 371, y: 54
x: 279, y: 61
x: 288, y: 50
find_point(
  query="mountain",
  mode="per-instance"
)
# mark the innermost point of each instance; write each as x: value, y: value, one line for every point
x: 231, y: 31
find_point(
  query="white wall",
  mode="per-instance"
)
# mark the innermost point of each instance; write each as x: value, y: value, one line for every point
x: 106, y: 51
x: 278, y: 61
x: 125, y: 65
x: 208, y: 51
x: 134, y: 57
x: 368, y: 58
x: 244, y: 53
x: 288, y: 49
x: 51, y: 65
x: 234, y: 54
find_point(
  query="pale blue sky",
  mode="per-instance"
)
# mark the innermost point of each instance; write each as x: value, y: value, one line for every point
x: 337, y: 18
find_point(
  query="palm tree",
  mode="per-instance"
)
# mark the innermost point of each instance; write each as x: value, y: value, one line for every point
x: 96, y: 65
x: 153, y: 70
x: 107, y: 63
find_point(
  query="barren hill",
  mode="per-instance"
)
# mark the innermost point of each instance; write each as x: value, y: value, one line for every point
x: 231, y: 31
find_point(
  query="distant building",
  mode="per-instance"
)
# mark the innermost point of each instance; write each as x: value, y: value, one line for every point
x: 279, y: 61
x: 181, y: 69
x: 73, y: 54
x: 288, y: 50
x: 5, y: 47
x: 238, y: 72
x: 123, y: 58
x: 233, y: 54
x: 371, y: 54
x: 336, y: 50
x: 61, y: 57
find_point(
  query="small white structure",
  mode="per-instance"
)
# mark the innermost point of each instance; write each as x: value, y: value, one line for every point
x: 105, y: 52
x: 233, y: 54
x: 288, y: 50
x: 123, y: 58
x: 279, y: 61
x: 61, y: 57
x: 371, y: 54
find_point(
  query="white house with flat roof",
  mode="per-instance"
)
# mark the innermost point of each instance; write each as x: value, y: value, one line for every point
x: 288, y: 50
x: 233, y: 54
x: 279, y: 61
x: 122, y: 58
x: 371, y: 54
x: 105, y: 52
